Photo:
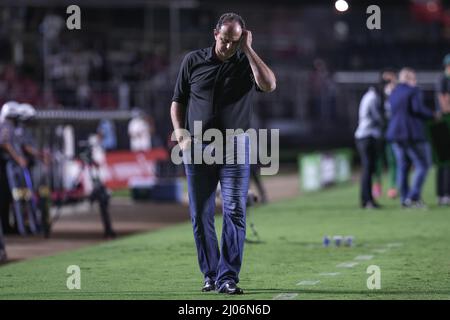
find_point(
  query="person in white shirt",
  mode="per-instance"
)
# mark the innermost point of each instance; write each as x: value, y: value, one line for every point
x: 367, y: 135
x: 139, y: 130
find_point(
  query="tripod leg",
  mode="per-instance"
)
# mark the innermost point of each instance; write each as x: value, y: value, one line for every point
x: 255, y: 233
x: 103, y: 199
x: 45, y: 210
x: 30, y: 203
x: 259, y: 184
x: 16, y: 192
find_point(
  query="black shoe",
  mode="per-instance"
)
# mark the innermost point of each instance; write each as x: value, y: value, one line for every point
x: 371, y: 205
x: 230, y: 288
x: 109, y: 235
x: 209, y: 286
x: 7, y: 229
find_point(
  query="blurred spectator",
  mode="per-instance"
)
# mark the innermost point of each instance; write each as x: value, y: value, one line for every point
x: 322, y: 93
x: 390, y: 78
x: 18, y: 87
x: 98, y: 153
x: 124, y: 95
x: 84, y: 96
x: 139, y: 130
x: 368, y: 140
x: 107, y: 133
x: 443, y: 95
x: 406, y: 131
x: 388, y: 82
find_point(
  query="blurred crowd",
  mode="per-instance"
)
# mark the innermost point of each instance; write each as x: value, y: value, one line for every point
x: 19, y: 87
x: 78, y: 80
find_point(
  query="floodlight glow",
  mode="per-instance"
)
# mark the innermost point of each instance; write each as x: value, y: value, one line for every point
x: 341, y: 5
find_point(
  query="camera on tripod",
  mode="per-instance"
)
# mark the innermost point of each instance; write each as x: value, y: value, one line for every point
x: 85, y: 153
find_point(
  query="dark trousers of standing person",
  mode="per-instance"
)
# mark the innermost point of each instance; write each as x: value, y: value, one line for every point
x: 2, y: 242
x: 5, y: 199
x: 220, y: 266
x: 3, y: 256
x: 367, y: 148
x: 443, y: 181
x: 417, y: 154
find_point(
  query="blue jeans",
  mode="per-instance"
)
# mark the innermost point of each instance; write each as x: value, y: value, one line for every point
x: 224, y: 265
x: 419, y: 155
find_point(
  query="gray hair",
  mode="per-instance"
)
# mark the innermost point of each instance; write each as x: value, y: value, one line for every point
x: 230, y: 17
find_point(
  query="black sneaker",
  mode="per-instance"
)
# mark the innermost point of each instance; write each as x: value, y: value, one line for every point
x: 209, y: 286
x: 109, y: 234
x: 230, y: 288
x: 371, y: 205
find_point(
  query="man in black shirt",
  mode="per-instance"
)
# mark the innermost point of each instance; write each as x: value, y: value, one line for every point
x: 215, y: 86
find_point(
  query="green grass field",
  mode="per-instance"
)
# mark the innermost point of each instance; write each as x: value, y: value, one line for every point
x: 411, y: 247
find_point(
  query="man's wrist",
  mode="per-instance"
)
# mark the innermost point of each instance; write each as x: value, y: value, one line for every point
x: 247, y: 50
x: 182, y: 138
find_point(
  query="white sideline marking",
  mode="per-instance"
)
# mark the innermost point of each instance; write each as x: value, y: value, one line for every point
x: 394, y: 245
x: 363, y: 258
x: 285, y: 296
x: 330, y: 274
x: 380, y: 250
x: 308, y: 282
x: 347, y: 264
x: 74, y: 209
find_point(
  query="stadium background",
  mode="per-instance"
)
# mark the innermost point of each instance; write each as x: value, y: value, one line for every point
x: 127, y: 55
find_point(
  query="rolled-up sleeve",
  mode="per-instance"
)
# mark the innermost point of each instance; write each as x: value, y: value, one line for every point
x: 182, y: 88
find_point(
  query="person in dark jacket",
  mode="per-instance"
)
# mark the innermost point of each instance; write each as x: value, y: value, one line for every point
x: 406, y: 131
